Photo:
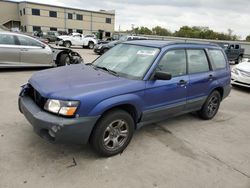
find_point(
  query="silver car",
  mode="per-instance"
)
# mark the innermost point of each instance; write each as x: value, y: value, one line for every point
x: 18, y: 50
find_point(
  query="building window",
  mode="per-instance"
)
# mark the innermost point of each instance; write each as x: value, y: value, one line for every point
x: 107, y: 34
x: 79, y: 17
x: 24, y: 11
x: 53, y: 14
x: 53, y: 29
x: 70, y: 30
x: 21, y: 13
x: 79, y: 31
x: 25, y: 28
x: 108, y: 20
x: 70, y: 16
x: 36, y: 28
x: 35, y: 12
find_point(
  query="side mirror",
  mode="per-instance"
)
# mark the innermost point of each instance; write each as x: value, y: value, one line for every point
x: 43, y: 46
x: 160, y: 75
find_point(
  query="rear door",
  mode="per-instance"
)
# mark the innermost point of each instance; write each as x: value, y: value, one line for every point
x: 9, y: 51
x: 33, y: 52
x: 201, y: 78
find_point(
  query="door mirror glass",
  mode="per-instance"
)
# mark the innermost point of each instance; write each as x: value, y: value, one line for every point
x: 160, y: 75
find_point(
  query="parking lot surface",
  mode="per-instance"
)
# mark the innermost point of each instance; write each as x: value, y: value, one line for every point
x: 180, y: 152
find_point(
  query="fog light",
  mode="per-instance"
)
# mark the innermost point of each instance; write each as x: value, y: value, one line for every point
x: 52, y: 134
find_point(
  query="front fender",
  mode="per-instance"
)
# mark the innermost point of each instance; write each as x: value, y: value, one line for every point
x: 127, y: 99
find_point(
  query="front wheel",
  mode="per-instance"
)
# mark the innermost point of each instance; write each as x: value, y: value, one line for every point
x: 64, y: 60
x: 211, y: 106
x: 67, y: 44
x: 112, y: 133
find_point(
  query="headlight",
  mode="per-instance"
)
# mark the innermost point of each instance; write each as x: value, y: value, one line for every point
x: 235, y: 71
x: 65, y: 108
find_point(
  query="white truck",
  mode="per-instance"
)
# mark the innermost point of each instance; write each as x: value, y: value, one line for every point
x: 76, y: 39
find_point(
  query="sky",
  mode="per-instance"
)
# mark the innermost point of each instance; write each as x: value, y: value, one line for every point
x: 219, y: 15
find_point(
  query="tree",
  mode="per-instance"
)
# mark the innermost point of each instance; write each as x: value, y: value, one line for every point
x: 161, y: 31
x: 248, y: 38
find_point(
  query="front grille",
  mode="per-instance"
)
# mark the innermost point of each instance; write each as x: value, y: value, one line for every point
x: 36, y: 97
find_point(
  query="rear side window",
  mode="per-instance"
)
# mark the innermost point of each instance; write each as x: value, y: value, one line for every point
x: 219, y: 61
x: 197, y: 61
x: 174, y: 62
x: 25, y: 41
x: 7, y: 39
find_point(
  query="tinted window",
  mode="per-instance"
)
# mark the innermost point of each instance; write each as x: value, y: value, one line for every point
x: 36, y: 12
x: 79, y: 17
x: 7, y: 39
x: 53, y: 14
x: 197, y: 61
x: 219, y: 61
x: 174, y: 62
x: 108, y: 20
x: 70, y: 16
x: 25, y: 41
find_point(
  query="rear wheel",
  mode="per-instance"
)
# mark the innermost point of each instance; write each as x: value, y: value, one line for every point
x: 239, y: 60
x: 211, y: 106
x: 67, y: 44
x: 64, y: 60
x: 112, y: 133
x: 91, y: 45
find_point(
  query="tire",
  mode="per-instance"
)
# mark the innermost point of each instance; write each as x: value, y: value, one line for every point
x: 91, y: 45
x: 211, y: 106
x: 105, y: 50
x: 112, y: 133
x: 64, y: 60
x: 239, y: 60
x: 67, y: 44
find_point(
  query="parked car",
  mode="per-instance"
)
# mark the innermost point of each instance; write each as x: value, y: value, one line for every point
x: 18, y: 50
x: 76, y: 39
x: 241, y: 74
x: 51, y: 36
x: 134, y: 84
x: 234, y: 52
x: 103, y: 47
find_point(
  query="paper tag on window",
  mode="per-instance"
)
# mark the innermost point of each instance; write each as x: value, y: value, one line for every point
x: 146, y: 52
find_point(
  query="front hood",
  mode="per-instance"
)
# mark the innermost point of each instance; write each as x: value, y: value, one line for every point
x: 245, y: 66
x: 72, y: 82
x: 63, y: 37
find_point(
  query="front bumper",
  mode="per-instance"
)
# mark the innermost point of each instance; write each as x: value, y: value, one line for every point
x: 55, y: 128
x: 238, y: 79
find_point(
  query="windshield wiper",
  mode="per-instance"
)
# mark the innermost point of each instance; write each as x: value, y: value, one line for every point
x: 107, y: 70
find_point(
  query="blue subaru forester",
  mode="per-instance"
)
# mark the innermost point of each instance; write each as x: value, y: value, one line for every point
x: 133, y: 84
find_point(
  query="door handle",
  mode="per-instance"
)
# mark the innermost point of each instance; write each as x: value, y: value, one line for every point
x: 24, y: 50
x: 211, y: 77
x: 182, y: 82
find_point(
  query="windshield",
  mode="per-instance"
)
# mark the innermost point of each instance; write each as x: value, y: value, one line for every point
x: 130, y: 61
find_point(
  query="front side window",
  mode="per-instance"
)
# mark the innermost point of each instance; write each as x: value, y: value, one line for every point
x: 130, y: 61
x: 7, y: 39
x: 35, y: 12
x: 174, y: 62
x: 26, y: 41
x: 53, y: 14
x: 219, y: 61
x: 79, y: 31
x: 197, y: 61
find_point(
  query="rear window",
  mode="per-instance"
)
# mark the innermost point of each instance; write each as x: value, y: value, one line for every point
x: 7, y: 39
x: 219, y: 61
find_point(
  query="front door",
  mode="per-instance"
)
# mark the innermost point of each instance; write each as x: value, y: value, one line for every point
x: 164, y: 98
x: 34, y: 53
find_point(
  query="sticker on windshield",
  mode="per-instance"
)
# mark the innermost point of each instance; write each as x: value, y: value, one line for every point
x: 146, y: 52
